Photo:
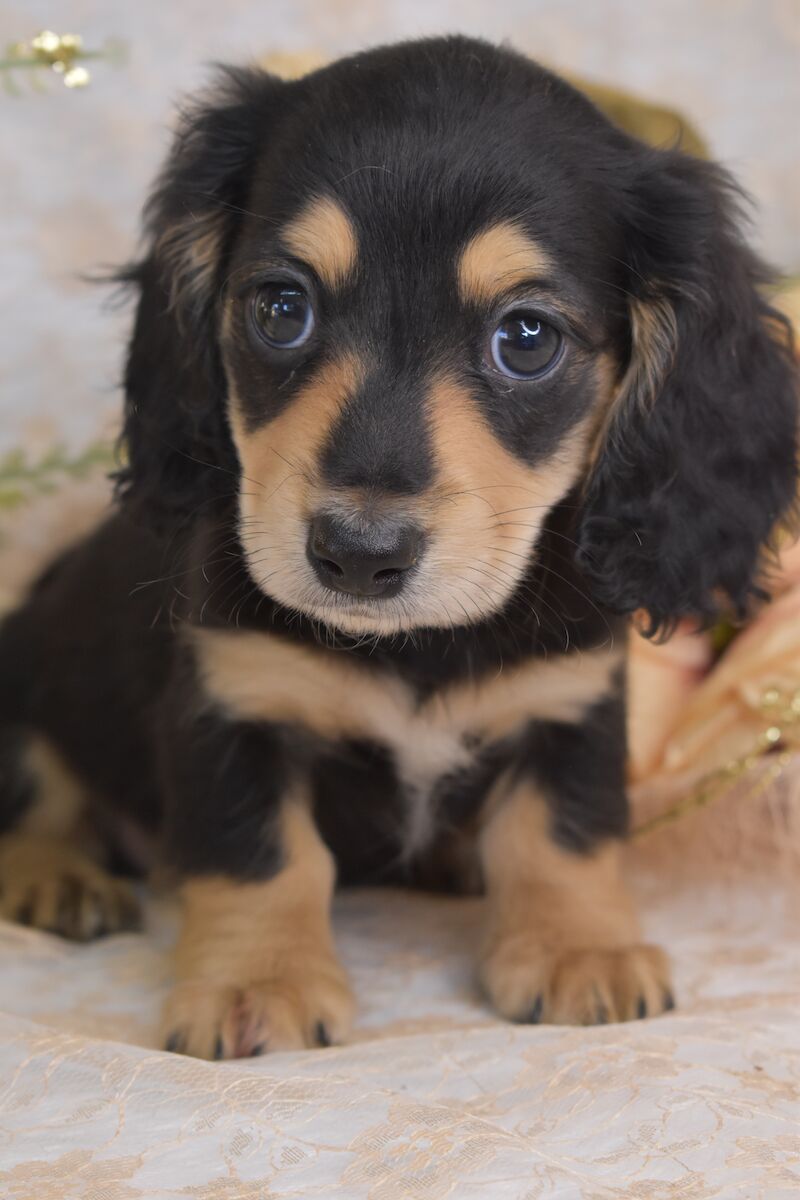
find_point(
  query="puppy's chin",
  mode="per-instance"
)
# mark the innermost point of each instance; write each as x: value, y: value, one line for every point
x: 361, y: 617
x: 424, y: 605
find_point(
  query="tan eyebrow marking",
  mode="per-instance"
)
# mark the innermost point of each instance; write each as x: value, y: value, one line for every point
x: 498, y: 258
x: 323, y: 236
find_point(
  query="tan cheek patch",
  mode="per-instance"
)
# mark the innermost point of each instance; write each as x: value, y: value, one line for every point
x: 324, y: 238
x: 286, y: 448
x: 496, y: 260
x: 467, y: 450
x: 492, y: 504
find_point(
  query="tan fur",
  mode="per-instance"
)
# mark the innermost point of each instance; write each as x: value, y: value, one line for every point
x: 59, y: 797
x: 496, y: 260
x: 562, y: 940
x: 654, y: 341
x: 324, y: 238
x: 51, y: 885
x: 255, y: 964
x: 279, y: 466
x: 256, y: 676
x: 482, y: 516
x: 259, y: 677
x: 190, y: 248
x: 492, y: 505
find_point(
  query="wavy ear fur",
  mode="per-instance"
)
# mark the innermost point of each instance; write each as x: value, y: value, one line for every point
x: 175, y: 436
x: 700, y: 456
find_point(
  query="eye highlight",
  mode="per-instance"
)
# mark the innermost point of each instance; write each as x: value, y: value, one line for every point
x: 524, y: 346
x: 283, y: 315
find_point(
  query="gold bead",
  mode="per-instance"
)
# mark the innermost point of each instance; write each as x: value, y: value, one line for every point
x: 76, y: 77
x: 46, y: 42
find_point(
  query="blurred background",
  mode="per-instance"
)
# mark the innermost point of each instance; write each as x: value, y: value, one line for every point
x: 76, y: 164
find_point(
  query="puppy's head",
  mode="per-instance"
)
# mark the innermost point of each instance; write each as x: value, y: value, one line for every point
x: 408, y: 305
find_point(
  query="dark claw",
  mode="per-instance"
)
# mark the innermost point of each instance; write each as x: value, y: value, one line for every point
x: 641, y: 1009
x: 669, y: 1001
x: 601, y: 1015
x: 174, y: 1043
x: 258, y: 1050
x: 534, y: 1015
x: 219, y: 1049
x: 322, y: 1035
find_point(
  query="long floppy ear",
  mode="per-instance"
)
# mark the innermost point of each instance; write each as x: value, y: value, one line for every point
x: 175, y: 437
x: 699, y: 459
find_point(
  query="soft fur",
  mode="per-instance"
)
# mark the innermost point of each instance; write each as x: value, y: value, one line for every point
x: 196, y: 671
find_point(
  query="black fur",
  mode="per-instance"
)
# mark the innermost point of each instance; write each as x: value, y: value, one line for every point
x: 698, y: 471
x: 426, y: 144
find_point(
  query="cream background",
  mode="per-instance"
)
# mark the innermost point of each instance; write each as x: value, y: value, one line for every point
x: 75, y: 167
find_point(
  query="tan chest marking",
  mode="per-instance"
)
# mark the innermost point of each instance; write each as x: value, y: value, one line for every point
x: 258, y: 677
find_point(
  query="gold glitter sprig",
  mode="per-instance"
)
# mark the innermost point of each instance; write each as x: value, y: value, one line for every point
x: 21, y: 480
x: 773, y: 749
x: 61, y: 54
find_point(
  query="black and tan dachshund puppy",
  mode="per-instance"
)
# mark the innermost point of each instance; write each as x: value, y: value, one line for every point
x: 436, y: 377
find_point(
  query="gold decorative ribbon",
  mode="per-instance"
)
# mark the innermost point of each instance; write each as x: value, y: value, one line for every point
x: 772, y: 750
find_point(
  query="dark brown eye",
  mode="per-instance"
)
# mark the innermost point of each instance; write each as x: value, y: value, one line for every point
x: 525, y: 347
x: 283, y: 315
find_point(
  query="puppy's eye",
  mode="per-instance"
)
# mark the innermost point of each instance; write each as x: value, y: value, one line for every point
x: 525, y: 347
x: 283, y: 315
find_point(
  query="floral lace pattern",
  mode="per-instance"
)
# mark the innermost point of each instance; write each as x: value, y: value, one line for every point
x: 433, y: 1098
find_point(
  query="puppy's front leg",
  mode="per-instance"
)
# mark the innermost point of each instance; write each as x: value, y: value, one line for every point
x: 255, y: 963
x: 562, y: 941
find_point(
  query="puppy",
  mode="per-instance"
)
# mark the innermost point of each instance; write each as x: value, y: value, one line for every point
x: 436, y: 377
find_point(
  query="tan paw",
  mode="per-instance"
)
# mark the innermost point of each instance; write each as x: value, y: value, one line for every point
x: 530, y: 984
x: 50, y: 886
x: 306, y: 1006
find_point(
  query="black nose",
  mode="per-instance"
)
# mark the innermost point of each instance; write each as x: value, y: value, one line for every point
x: 369, y: 559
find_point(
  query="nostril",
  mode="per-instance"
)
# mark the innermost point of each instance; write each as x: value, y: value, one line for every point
x: 389, y: 575
x: 331, y: 567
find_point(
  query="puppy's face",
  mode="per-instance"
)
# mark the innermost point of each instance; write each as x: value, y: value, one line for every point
x: 416, y: 349
x: 418, y: 299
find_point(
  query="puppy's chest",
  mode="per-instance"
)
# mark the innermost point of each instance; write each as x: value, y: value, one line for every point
x: 342, y: 701
x: 414, y: 767
x: 436, y: 764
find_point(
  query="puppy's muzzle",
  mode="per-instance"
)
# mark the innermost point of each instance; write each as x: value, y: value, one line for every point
x: 366, y: 558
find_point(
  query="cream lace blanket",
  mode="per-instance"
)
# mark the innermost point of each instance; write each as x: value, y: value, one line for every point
x: 434, y: 1098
